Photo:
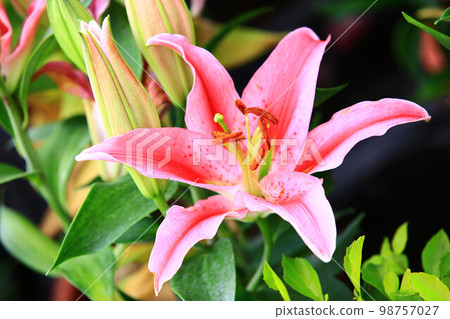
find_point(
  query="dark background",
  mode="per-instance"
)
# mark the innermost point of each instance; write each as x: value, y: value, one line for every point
x: 402, y: 176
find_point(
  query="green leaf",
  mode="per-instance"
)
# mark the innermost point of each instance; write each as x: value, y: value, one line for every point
x: 301, y: 276
x: 444, y: 266
x: 125, y: 41
x: 108, y: 211
x: 400, y: 239
x: 440, y: 37
x: 435, y: 248
x: 5, y: 123
x: 324, y: 94
x: 9, y: 173
x: 274, y: 282
x: 143, y: 230
x: 352, y: 263
x: 444, y: 17
x: 35, y: 61
x: 231, y: 25
x: 398, y: 263
x: 209, y: 276
x: 64, y: 16
x: 91, y: 274
x: 391, y: 284
x: 86, y: 3
x: 374, y: 270
x: 68, y: 139
x: 430, y: 287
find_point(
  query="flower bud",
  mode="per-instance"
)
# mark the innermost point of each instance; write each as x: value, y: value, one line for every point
x: 151, y: 17
x: 123, y: 102
x: 64, y: 16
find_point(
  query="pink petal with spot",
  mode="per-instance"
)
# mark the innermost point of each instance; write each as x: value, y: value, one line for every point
x: 300, y: 200
x: 182, y: 229
x: 329, y: 143
x: 171, y: 153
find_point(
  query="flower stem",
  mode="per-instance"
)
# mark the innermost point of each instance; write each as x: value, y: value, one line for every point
x: 25, y: 148
x: 264, y: 226
x: 161, y: 202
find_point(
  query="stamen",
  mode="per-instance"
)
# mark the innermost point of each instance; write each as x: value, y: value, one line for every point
x: 240, y: 105
x: 218, y: 118
x: 263, y: 114
x: 256, y: 161
x: 263, y: 126
x: 221, y: 138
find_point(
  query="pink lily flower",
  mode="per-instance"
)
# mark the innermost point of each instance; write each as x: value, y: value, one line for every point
x: 13, y: 62
x: 98, y: 7
x: 280, y: 96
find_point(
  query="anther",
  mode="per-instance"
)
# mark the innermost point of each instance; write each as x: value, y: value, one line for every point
x: 221, y: 138
x: 241, y: 106
x: 256, y: 161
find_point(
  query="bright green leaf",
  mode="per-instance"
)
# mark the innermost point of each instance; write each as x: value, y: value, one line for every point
x: 435, y: 248
x: 444, y: 17
x: 374, y: 270
x: 64, y: 16
x: 91, y: 274
x: 274, y: 282
x: 440, y: 37
x: 444, y: 266
x: 9, y: 173
x: 301, y: 276
x: 209, y: 276
x: 35, y: 61
x: 108, y: 211
x: 400, y: 239
x: 430, y: 287
x: 407, y: 291
x: 324, y: 94
x: 69, y: 138
x: 5, y: 123
x: 390, y: 283
x: 352, y: 263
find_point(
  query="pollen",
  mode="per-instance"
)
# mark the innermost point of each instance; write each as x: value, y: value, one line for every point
x: 221, y: 138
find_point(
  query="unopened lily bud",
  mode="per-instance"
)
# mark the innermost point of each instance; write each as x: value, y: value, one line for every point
x: 151, y: 17
x: 123, y: 102
x: 64, y: 16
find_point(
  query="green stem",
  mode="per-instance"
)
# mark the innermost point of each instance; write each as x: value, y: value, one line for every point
x: 264, y: 226
x: 25, y: 148
x: 161, y: 202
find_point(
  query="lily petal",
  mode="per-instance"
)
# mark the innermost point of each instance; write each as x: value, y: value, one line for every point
x: 171, y: 153
x: 67, y: 78
x: 329, y: 143
x: 14, y: 63
x: 300, y: 200
x: 6, y: 34
x: 98, y: 7
x: 213, y: 89
x: 285, y: 86
x: 182, y: 229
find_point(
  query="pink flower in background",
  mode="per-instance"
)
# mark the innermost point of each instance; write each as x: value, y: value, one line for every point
x: 266, y: 128
x: 98, y: 7
x: 13, y: 61
x: 197, y: 7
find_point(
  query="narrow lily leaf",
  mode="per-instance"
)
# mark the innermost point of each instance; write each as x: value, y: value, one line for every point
x: 444, y: 17
x: 300, y: 275
x: 352, y: 263
x: 430, y: 287
x: 231, y: 25
x: 400, y: 239
x: 64, y: 16
x: 42, y: 51
x: 9, y: 173
x: 390, y: 284
x: 29, y: 245
x: 69, y: 138
x: 5, y: 123
x: 324, y: 94
x: 125, y: 41
x: 435, y: 248
x: 109, y: 210
x: 442, y: 38
x: 209, y: 276
x: 274, y: 282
